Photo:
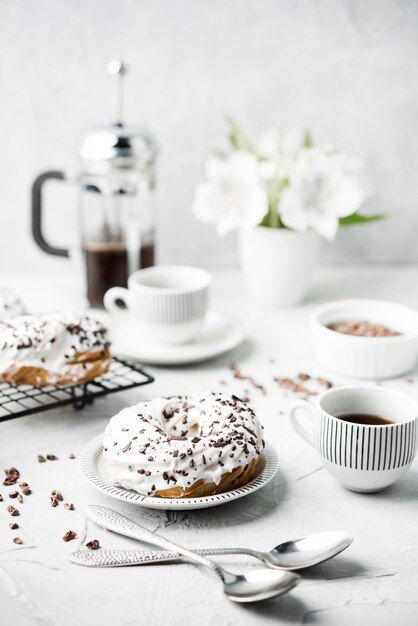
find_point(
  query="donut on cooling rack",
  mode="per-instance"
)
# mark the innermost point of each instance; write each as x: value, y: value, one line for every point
x: 184, y: 446
x: 10, y: 304
x: 52, y: 349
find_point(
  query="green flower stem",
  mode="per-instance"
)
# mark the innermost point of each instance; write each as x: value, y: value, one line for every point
x: 274, y: 217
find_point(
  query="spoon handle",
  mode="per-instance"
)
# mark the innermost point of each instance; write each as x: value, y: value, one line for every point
x: 119, y: 558
x: 112, y: 520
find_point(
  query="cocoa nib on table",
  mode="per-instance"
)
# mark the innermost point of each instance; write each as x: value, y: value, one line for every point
x: 69, y: 535
x: 25, y: 489
x: 236, y: 372
x: 292, y: 385
x: 94, y: 544
x: 305, y: 384
x: 56, y: 497
x: 325, y: 383
x: 16, y: 494
x: 13, y: 512
x: 12, y: 476
x: 13, y: 494
x: 49, y: 457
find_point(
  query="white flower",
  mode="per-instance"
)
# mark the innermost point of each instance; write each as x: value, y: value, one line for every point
x: 322, y: 187
x: 275, y: 142
x: 233, y: 195
x: 278, y: 149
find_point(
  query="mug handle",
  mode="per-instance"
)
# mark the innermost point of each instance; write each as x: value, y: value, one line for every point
x: 114, y: 296
x: 308, y: 409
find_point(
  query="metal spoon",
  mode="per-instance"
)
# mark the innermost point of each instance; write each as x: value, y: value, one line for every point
x: 255, y: 585
x: 289, y: 555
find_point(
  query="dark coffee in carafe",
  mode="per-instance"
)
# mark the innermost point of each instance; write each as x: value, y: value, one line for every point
x: 107, y: 265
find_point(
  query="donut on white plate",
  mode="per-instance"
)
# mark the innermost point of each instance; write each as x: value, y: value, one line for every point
x: 184, y: 446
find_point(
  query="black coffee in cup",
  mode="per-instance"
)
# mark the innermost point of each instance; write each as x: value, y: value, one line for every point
x: 365, y: 419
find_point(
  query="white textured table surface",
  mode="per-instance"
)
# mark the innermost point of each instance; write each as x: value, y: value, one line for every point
x: 374, y: 582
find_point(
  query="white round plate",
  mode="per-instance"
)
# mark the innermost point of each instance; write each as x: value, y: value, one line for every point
x: 219, y: 334
x: 92, y: 469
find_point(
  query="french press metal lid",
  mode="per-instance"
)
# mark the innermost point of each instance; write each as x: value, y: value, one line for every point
x: 117, y: 145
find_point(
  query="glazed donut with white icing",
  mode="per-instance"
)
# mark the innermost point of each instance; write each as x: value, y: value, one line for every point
x: 184, y: 446
x: 10, y: 304
x: 52, y: 349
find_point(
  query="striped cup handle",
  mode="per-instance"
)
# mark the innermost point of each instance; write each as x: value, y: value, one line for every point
x: 116, y: 300
x: 307, y: 408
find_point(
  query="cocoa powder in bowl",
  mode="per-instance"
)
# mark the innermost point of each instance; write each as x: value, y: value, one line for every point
x: 362, y: 328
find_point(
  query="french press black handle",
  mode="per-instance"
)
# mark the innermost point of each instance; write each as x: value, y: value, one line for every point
x: 37, y: 213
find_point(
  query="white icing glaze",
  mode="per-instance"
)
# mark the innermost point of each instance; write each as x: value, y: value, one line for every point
x: 10, y: 304
x: 49, y: 340
x: 216, y: 433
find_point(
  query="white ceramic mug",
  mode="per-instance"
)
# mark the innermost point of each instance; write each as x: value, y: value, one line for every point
x: 364, y: 458
x: 168, y: 302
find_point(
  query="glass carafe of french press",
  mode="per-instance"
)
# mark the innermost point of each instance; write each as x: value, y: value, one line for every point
x: 116, y: 184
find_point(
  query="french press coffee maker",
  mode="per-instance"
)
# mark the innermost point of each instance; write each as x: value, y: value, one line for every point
x: 116, y: 188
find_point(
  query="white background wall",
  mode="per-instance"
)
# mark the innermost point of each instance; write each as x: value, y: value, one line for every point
x: 347, y: 69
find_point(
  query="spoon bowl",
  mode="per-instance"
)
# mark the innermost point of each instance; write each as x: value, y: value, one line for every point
x: 256, y: 585
x: 306, y: 551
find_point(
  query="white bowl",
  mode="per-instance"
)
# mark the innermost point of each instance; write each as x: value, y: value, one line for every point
x: 366, y: 357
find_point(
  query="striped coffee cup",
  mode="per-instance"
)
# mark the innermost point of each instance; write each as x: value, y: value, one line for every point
x: 362, y: 457
x: 168, y: 302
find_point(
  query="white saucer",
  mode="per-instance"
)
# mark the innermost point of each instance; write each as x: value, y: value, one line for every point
x: 92, y: 469
x: 219, y: 334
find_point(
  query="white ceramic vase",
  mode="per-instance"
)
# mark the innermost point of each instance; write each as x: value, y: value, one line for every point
x: 277, y: 264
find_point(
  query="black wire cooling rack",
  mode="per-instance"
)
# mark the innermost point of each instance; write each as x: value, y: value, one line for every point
x: 20, y: 400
